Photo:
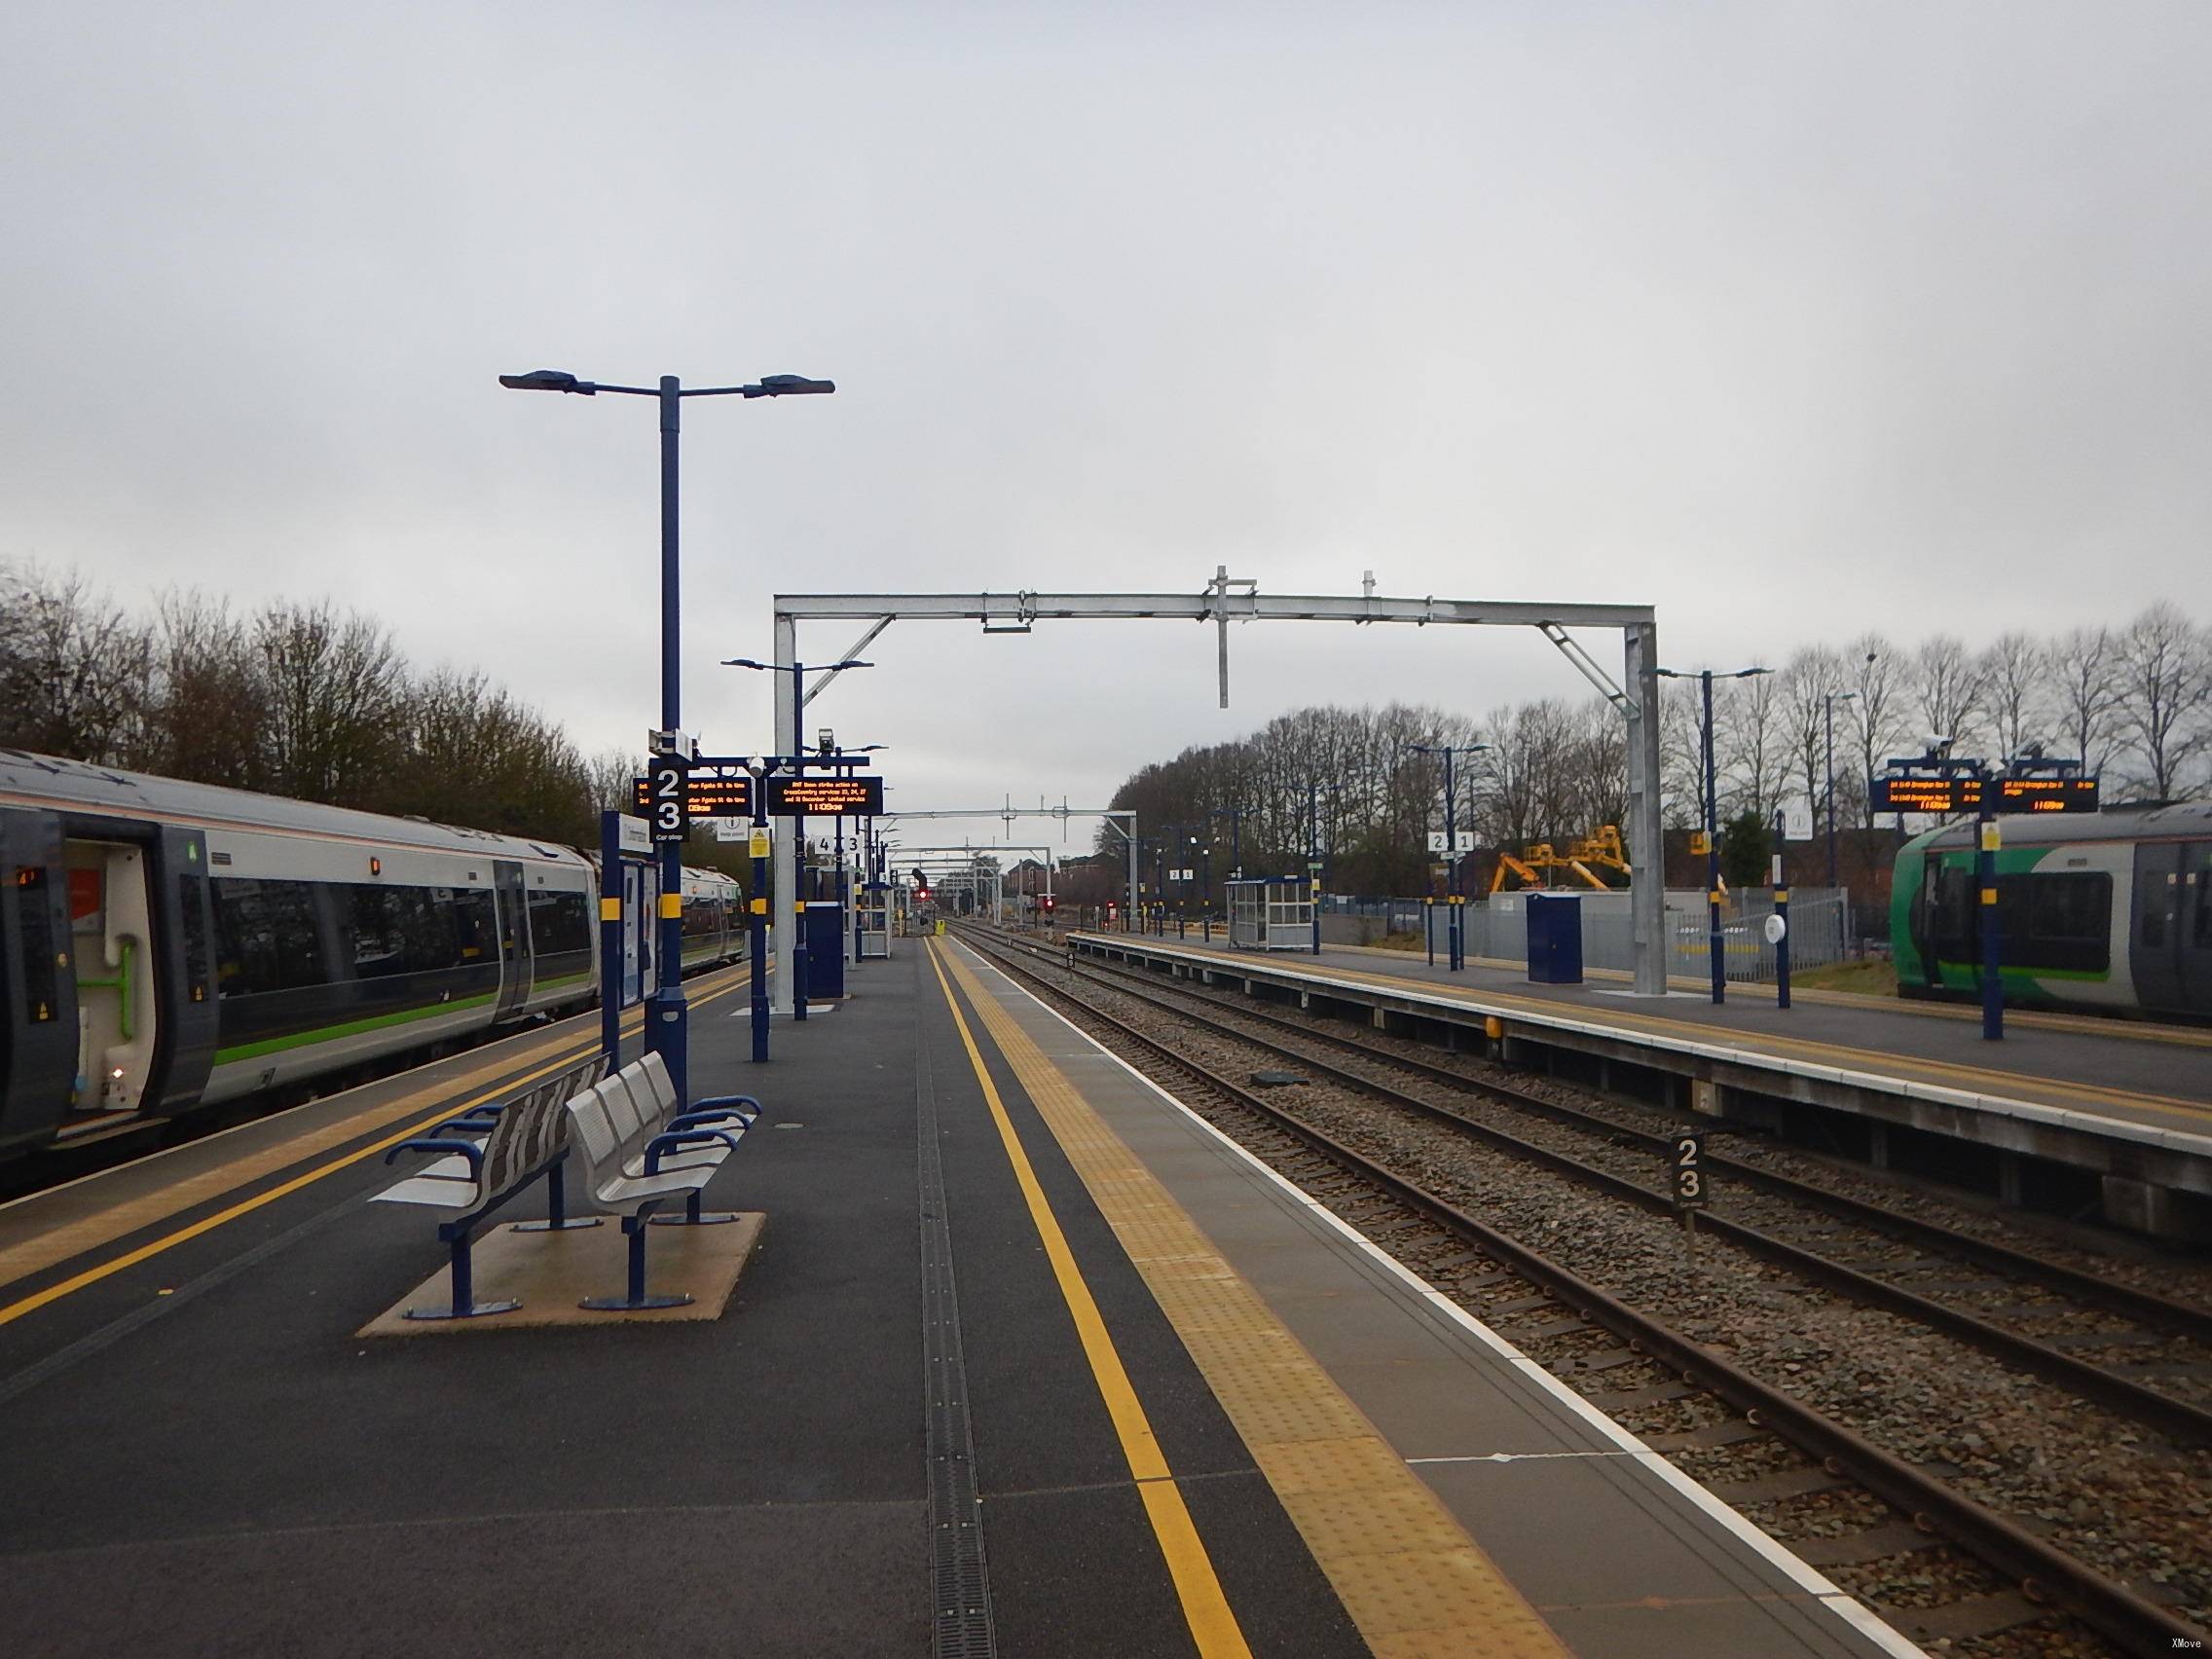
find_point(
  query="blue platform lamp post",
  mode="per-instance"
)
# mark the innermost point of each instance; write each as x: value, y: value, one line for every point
x: 665, y: 1009
x: 1313, y: 851
x: 794, y: 903
x: 1716, y: 945
x: 1456, y: 951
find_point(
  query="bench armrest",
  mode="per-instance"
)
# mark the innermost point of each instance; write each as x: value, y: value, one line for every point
x: 723, y: 1100
x: 711, y: 1118
x: 466, y: 1148
x: 676, y: 1139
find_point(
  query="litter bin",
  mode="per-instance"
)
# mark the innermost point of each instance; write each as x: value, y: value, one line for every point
x: 1555, y: 939
x: 825, y: 949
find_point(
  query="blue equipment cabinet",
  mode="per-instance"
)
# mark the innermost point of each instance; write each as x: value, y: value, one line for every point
x: 825, y: 949
x: 1555, y: 939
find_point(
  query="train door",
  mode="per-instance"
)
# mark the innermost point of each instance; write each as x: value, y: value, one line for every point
x: 2193, y: 942
x: 185, y: 977
x: 115, y: 972
x: 38, y: 1023
x: 514, y: 937
x: 2154, y: 953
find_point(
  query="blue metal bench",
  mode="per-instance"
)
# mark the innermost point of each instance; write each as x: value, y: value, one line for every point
x: 486, y: 1157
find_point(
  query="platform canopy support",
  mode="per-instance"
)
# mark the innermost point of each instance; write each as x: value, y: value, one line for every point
x: 1019, y: 611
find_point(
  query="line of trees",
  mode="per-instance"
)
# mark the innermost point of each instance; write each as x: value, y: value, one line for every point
x: 299, y: 700
x: 2135, y: 703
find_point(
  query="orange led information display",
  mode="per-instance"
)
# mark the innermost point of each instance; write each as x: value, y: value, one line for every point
x: 824, y: 797
x: 708, y: 796
x: 2047, y: 794
x: 1960, y: 795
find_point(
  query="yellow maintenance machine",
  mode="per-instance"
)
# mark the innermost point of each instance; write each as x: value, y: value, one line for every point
x: 1582, y: 859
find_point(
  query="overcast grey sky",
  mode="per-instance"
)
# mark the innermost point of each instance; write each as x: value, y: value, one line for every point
x: 1790, y: 319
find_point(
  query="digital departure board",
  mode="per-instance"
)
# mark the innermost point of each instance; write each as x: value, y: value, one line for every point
x: 2047, y: 794
x: 836, y: 796
x: 1956, y: 795
x: 708, y: 795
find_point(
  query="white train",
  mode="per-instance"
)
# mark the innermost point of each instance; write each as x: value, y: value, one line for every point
x: 166, y: 945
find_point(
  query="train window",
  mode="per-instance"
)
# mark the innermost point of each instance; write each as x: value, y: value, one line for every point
x: 1957, y: 940
x: 194, y: 928
x: 559, y: 922
x: 36, y: 948
x: 478, y: 927
x: 2069, y: 923
x: 269, y: 939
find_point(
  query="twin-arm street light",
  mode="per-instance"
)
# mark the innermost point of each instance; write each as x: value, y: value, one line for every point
x: 1456, y: 955
x: 1715, y: 944
x: 665, y: 1011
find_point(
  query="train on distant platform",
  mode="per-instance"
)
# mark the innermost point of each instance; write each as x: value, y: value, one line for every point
x: 168, y: 946
x: 2107, y: 914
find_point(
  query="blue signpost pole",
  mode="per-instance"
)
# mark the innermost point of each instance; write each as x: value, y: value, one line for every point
x: 759, y: 906
x: 1713, y: 938
x: 610, y: 938
x: 794, y: 903
x: 665, y: 1015
x: 1985, y: 870
x: 1782, y: 913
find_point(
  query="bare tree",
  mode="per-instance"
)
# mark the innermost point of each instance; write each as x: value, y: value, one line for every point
x: 1874, y: 669
x: 2012, y: 675
x: 1752, y: 744
x: 1947, y: 686
x: 210, y: 705
x: 336, y: 693
x: 1810, y: 679
x: 2165, y: 695
x: 2082, y: 690
x: 73, y: 670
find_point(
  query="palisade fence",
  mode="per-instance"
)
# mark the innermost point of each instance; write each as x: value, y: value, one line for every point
x: 1497, y: 928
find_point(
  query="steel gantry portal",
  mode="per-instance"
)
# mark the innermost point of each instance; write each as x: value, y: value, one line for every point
x: 1019, y: 611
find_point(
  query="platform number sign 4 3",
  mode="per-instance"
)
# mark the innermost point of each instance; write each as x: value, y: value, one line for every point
x: 1687, y: 1155
x: 667, y: 801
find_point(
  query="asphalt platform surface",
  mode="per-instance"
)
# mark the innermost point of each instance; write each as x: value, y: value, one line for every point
x: 200, y: 1458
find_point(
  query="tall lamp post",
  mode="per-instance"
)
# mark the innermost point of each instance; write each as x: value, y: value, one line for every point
x: 1314, y: 850
x: 794, y: 904
x: 1829, y: 701
x: 1456, y: 956
x: 1715, y: 944
x: 665, y: 1009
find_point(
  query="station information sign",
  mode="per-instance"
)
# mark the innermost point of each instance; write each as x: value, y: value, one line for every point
x: 839, y: 797
x: 1960, y: 795
x: 707, y: 794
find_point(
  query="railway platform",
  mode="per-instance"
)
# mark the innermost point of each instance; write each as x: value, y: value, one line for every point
x: 1027, y: 1360
x: 2068, y: 1111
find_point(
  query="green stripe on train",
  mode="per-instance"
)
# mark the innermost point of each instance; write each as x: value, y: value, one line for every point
x: 350, y: 1028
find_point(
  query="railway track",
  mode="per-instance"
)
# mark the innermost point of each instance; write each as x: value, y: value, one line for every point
x: 1396, y: 1196
x: 2148, y: 1333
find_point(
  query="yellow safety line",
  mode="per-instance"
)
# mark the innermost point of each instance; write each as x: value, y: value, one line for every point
x: 1213, y: 1626
x: 1406, y: 1573
x: 15, y: 1310
x: 1753, y: 1041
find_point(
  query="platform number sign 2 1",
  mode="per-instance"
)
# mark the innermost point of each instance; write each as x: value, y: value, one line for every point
x: 667, y: 799
x: 1688, y: 1157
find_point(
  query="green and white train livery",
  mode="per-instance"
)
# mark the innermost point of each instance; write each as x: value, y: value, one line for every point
x: 2109, y: 914
x: 166, y: 946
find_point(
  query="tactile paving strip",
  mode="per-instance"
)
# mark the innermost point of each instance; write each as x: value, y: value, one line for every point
x: 1407, y: 1572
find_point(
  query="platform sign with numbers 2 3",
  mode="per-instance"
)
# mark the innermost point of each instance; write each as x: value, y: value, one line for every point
x: 669, y: 804
x: 1688, y: 1157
